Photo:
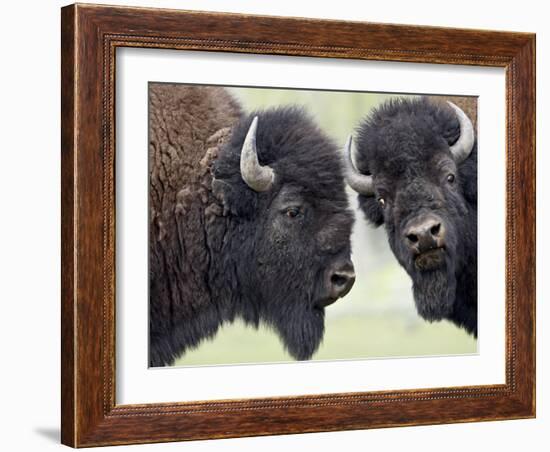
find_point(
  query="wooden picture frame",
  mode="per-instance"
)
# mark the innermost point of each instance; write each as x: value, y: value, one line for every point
x: 90, y: 35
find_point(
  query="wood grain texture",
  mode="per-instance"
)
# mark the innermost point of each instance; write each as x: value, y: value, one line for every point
x: 68, y: 298
x: 90, y: 36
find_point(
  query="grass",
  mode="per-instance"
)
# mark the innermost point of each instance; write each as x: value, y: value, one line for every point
x: 346, y: 337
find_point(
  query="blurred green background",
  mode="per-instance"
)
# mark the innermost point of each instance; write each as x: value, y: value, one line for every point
x: 377, y: 318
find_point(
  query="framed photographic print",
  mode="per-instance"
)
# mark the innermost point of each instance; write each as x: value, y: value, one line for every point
x: 281, y: 225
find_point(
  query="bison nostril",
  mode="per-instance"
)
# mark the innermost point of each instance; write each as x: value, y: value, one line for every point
x: 341, y: 282
x: 413, y: 238
x: 338, y: 280
x: 424, y: 234
x: 435, y: 229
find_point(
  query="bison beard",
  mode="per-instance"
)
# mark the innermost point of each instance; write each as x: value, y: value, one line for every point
x: 221, y: 243
x: 299, y: 324
x: 302, y: 330
x: 434, y: 291
x: 293, y: 311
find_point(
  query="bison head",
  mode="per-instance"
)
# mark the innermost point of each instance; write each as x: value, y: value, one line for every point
x: 281, y: 181
x: 416, y: 174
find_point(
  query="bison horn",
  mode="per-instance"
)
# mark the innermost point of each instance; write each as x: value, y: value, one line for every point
x: 463, y: 147
x: 259, y: 178
x: 361, y: 183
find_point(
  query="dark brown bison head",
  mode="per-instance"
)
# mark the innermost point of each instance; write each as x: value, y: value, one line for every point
x: 416, y: 173
x: 282, y: 184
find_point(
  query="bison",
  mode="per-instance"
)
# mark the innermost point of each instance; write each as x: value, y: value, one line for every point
x: 249, y: 219
x: 416, y: 172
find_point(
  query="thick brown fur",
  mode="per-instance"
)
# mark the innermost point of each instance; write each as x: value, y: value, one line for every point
x: 186, y: 126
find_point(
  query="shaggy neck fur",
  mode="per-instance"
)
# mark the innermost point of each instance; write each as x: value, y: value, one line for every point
x: 187, y: 125
x: 210, y: 253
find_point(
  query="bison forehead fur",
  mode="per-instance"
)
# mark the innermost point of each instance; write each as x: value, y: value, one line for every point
x: 405, y: 144
x: 220, y: 250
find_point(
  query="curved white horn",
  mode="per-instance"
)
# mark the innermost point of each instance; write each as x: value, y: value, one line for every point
x: 259, y: 178
x: 463, y: 147
x: 361, y: 183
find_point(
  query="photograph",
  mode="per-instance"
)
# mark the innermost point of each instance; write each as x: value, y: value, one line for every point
x: 300, y: 224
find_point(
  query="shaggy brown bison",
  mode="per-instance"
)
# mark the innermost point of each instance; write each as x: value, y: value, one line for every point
x: 248, y: 219
x: 416, y: 173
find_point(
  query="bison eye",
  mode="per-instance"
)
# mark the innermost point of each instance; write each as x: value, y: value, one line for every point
x: 382, y: 202
x: 292, y: 212
x: 451, y: 178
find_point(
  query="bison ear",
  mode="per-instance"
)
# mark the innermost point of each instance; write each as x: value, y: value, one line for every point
x: 451, y: 134
x: 468, y: 178
x: 372, y: 210
x: 235, y: 199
